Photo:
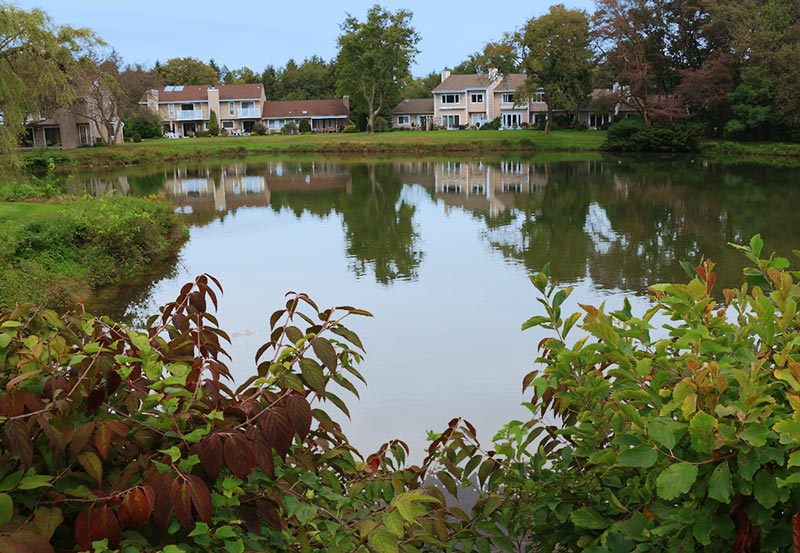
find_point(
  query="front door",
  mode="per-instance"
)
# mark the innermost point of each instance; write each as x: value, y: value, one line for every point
x: 189, y: 129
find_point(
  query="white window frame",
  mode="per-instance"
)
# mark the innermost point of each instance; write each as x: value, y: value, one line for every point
x: 248, y: 105
x: 451, y: 99
x: 227, y: 124
x: 191, y: 106
x: 231, y: 108
x: 171, y: 111
x: 449, y: 119
x: 84, y: 134
x: 476, y: 98
x: 508, y: 97
x: 403, y: 119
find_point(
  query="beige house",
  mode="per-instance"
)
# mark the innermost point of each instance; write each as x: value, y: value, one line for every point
x: 462, y: 101
x: 185, y: 110
x: 416, y: 113
x: 322, y: 115
x: 65, y: 129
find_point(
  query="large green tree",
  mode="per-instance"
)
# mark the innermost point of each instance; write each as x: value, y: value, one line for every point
x: 375, y: 57
x: 36, y: 59
x: 556, y: 58
x: 187, y: 71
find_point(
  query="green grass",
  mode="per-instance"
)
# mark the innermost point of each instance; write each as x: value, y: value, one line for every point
x: 58, y: 253
x: 163, y: 150
x: 774, y: 149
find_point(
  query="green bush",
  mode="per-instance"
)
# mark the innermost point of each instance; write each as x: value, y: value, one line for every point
x: 203, y: 134
x: 145, y: 123
x: 632, y: 135
x: 289, y: 128
x: 381, y: 125
x: 136, y: 138
x: 493, y: 125
x: 305, y: 126
x: 259, y: 129
x: 213, y: 124
x: 349, y: 129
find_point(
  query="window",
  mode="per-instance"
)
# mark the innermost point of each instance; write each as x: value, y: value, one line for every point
x: 403, y: 119
x: 171, y: 110
x: 451, y: 98
x: 247, y: 105
x: 476, y: 98
x: 508, y: 97
x: 227, y: 124
x: 26, y: 141
x: 451, y: 121
x: 187, y: 107
x: 52, y: 136
x: 538, y: 98
x: 83, y: 134
x: 231, y: 108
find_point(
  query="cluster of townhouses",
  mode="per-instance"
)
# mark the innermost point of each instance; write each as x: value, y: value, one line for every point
x: 458, y: 102
x: 470, y: 101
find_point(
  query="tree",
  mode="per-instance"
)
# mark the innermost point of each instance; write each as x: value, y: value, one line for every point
x: 213, y: 123
x: 99, y: 95
x: 135, y: 80
x: 421, y: 87
x: 36, y: 58
x: 187, y: 71
x: 374, y: 58
x: 242, y: 75
x: 556, y: 58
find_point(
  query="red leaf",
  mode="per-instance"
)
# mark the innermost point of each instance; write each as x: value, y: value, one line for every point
x: 263, y: 451
x: 796, y: 532
x: 104, y: 526
x: 135, y: 509
x: 239, y: 455
x: 96, y: 399
x: 201, y: 497
x: 31, y: 541
x: 19, y: 441
x: 210, y: 452
x: 102, y: 440
x: 299, y: 412
x: 277, y: 428
x: 269, y: 512
x: 10, y: 545
x: 83, y: 529
x: 182, y: 503
x: 162, y: 485
x: 113, y: 380
x: 80, y: 438
x: 712, y: 278
x: 374, y: 463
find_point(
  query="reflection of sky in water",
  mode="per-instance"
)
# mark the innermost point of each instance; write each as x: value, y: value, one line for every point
x: 446, y: 339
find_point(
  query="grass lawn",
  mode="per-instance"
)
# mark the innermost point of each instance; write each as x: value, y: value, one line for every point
x: 155, y: 150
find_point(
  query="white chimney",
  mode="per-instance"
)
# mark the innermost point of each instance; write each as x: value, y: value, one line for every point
x: 445, y: 74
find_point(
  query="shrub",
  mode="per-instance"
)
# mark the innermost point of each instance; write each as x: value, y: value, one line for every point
x: 492, y: 125
x: 350, y: 129
x: 305, y: 126
x: 203, y: 134
x: 145, y: 123
x: 380, y: 125
x: 136, y: 137
x: 631, y: 135
x: 289, y: 128
x: 213, y: 124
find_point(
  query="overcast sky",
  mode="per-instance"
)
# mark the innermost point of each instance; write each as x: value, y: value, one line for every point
x: 258, y: 33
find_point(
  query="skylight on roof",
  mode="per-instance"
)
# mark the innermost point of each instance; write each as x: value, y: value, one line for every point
x: 178, y: 88
x: 169, y: 88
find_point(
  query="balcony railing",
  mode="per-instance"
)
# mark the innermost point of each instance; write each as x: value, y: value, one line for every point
x: 249, y: 112
x: 187, y: 114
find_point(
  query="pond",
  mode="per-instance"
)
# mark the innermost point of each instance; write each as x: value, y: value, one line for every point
x: 440, y: 250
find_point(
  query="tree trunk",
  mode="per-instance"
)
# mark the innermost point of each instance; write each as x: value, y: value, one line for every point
x: 549, y: 123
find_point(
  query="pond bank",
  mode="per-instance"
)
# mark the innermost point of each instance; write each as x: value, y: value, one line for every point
x: 58, y: 253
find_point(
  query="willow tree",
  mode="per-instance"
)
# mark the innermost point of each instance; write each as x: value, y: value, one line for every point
x: 36, y: 60
x: 375, y: 57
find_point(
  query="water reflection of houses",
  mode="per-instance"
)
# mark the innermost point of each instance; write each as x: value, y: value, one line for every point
x: 243, y: 185
x: 483, y: 187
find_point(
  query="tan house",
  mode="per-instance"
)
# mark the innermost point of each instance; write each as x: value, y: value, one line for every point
x: 65, y: 129
x: 462, y: 101
x: 415, y: 113
x: 185, y: 110
x: 323, y: 115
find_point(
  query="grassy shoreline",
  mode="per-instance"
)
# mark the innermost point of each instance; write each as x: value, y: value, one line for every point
x: 416, y: 143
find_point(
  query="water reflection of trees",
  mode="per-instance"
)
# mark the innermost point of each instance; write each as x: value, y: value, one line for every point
x: 626, y: 225
x: 378, y: 226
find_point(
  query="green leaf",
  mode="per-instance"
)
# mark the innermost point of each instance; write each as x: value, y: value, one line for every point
x: 701, y: 429
x: 234, y: 546
x: 313, y: 375
x: 719, y: 485
x: 765, y: 489
x: 794, y: 459
x: 661, y: 433
x: 35, y: 481
x: 676, y: 480
x: 756, y: 244
x: 6, y: 508
x: 586, y: 517
x: 383, y: 541
x: 224, y: 532
x: 535, y: 321
x: 640, y: 456
x: 755, y: 434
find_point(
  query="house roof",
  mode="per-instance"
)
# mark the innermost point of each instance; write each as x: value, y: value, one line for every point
x: 414, y: 105
x: 511, y: 81
x: 199, y: 92
x: 305, y: 108
x: 463, y: 82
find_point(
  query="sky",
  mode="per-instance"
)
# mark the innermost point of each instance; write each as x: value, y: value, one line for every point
x: 258, y: 33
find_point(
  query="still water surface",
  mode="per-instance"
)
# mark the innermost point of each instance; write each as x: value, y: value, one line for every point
x: 440, y: 251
